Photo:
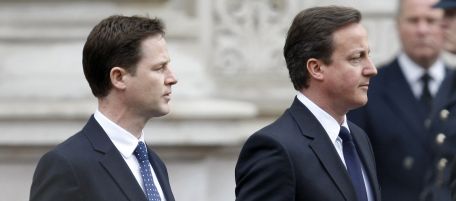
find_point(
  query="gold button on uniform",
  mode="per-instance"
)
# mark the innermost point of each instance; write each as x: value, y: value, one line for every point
x: 442, y: 164
x: 408, y: 162
x: 440, y: 138
x: 444, y: 114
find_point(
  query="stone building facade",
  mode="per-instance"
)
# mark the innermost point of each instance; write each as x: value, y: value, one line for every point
x: 227, y: 55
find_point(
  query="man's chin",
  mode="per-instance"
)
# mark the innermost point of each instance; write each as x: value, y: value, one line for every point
x: 161, y: 112
x: 450, y: 48
x: 359, y: 103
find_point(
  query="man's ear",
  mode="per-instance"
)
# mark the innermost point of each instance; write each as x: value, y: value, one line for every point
x: 314, y: 67
x: 118, y: 77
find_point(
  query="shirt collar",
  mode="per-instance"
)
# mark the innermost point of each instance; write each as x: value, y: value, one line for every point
x: 124, y: 141
x: 413, y: 71
x: 330, y: 124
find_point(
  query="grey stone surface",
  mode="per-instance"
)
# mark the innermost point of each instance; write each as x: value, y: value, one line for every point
x: 227, y: 55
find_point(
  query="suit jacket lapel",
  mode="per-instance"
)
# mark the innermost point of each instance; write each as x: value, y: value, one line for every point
x: 366, y: 156
x: 323, y: 148
x: 113, y: 162
x: 161, y: 174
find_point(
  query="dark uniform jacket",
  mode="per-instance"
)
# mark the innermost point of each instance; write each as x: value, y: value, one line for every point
x: 407, y: 144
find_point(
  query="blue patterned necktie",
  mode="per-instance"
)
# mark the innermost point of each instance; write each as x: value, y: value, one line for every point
x: 149, y: 186
x: 353, y: 164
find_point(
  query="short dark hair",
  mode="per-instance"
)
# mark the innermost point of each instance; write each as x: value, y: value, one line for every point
x: 311, y: 36
x: 115, y: 41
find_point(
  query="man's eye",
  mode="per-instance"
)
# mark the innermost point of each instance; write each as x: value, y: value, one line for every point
x: 356, y: 59
x: 160, y: 69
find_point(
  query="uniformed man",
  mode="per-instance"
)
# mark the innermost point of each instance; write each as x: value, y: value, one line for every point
x: 445, y: 174
x: 443, y: 132
x: 402, y: 116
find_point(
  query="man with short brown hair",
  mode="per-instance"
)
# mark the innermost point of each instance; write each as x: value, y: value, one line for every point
x: 312, y: 152
x: 126, y: 63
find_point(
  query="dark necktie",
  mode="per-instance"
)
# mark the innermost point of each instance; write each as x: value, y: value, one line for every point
x: 353, y: 164
x: 149, y: 186
x: 426, y: 97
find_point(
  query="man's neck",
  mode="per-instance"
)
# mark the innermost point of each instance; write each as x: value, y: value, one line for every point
x: 325, y: 104
x: 123, y: 117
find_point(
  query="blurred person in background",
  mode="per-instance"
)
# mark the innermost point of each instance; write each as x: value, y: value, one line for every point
x: 447, y: 150
x: 405, y: 105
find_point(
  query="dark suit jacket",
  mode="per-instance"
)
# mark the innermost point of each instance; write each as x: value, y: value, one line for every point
x: 401, y: 136
x: 88, y: 167
x: 294, y: 159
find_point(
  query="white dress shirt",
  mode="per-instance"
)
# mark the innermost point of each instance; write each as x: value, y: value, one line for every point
x: 332, y: 128
x: 126, y: 143
x: 413, y: 73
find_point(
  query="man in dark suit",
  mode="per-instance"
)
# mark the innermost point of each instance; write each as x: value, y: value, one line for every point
x: 126, y: 63
x: 312, y: 152
x: 405, y: 102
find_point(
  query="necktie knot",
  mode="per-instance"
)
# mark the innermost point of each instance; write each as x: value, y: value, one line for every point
x: 141, y: 151
x: 344, y: 134
x: 425, y: 78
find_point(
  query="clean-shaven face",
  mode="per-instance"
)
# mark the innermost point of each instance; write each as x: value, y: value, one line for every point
x: 420, y: 31
x: 347, y: 77
x: 449, y: 27
x: 149, y: 88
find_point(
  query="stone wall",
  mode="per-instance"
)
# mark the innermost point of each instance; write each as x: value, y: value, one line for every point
x: 227, y: 55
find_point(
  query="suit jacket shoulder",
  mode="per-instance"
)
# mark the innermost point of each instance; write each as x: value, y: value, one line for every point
x: 296, y: 159
x: 87, y: 166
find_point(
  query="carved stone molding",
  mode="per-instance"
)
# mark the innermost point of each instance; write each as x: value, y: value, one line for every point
x: 248, y: 36
x: 246, y: 49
